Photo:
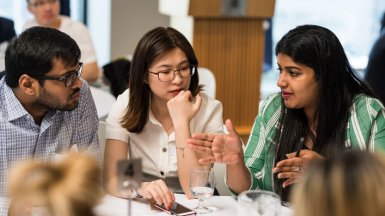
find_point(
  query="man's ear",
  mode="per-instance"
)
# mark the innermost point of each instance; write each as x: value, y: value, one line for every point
x: 27, y: 84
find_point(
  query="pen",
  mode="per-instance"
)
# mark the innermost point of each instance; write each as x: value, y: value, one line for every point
x: 301, y: 142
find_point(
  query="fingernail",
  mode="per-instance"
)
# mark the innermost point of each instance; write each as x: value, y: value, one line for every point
x: 287, y: 155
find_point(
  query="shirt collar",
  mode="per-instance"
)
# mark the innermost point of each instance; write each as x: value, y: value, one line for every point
x: 152, y: 119
x: 12, y: 105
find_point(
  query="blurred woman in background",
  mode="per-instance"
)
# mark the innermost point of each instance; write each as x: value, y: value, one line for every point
x: 350, y: 184
x: 70, y: 187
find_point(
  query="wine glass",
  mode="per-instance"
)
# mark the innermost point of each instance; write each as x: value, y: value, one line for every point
x: 202, y: 184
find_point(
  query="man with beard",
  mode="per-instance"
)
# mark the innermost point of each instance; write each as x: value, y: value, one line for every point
x: 45, y: 108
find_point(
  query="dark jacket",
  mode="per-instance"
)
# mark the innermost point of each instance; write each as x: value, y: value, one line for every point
x: 7, y: 30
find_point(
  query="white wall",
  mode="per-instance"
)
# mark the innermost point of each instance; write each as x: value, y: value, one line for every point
x: 117, y: 25
x: 179, y: 19
x: 130, y: 20
x: 99, y: 19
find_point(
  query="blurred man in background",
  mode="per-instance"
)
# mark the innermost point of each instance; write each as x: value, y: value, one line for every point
x: 7, y: 32
x: 375, y: 70
x: 47, y: 13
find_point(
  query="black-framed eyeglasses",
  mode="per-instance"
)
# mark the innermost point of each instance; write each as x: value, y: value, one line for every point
x: 40, y: 3
x: 169, y: 74
x: 69, y: 78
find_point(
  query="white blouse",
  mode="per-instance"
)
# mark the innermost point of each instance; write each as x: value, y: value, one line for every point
x: 153, y: 145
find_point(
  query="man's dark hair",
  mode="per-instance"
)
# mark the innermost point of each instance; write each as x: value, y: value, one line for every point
x: 33, y: 52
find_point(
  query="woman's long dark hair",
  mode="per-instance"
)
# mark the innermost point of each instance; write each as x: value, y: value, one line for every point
x: 155, y: 43
x: 319, y: 49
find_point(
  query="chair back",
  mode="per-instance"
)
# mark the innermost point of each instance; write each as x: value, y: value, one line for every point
x: 102, y: 138
x: 207, y: 79
x: 219, y: 172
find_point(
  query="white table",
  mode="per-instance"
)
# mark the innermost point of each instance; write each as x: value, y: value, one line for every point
x: 103, y: 101
x: 225, y: 206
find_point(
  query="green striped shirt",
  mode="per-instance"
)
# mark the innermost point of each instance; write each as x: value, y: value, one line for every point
x: 365, y: 130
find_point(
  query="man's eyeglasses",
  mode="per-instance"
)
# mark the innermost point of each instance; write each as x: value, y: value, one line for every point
x: 40, y: 3
x: 169, y: 74
x: 69, y: 78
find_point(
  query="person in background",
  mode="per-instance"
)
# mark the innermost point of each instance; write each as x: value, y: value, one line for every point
x: 69, y: 187
x: 46, y: 13
x: 346, y: 185
x: 46, y: 109
x: 323, y: 109
x: 375, y: 70
x: 154, y: 117
x: 7, y: 32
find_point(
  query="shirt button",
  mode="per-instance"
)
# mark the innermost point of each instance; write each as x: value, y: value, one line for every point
x: 161, y: 172
x: 164, y: 149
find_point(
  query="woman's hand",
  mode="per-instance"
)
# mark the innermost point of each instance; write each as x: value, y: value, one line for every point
x: 221, y: 148
x: 158, y: 191
x: 292, y: 168
x: 182, y: 109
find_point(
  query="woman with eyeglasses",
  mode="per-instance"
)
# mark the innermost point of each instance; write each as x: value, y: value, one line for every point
x: 155, y: 116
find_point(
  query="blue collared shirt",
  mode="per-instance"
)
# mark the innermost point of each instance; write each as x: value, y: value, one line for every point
x: 21, y: 138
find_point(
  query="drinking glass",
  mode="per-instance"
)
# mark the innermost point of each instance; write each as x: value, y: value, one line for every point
x: 259, y: 203
x: 202, y: 184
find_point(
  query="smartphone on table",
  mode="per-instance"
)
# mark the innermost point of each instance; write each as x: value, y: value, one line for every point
x: 176, y: 209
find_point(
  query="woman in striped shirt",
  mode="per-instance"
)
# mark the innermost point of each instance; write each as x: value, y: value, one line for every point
x: 323, y: 109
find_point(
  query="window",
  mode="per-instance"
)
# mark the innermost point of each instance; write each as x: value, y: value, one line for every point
x: 15, y: 10
x: 356, y: 23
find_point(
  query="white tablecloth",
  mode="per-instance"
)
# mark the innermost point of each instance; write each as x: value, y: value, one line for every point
x: 225, y: 206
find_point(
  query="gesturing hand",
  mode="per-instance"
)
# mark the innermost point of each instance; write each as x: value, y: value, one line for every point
x: 221, y: 148
x: 292, y: 168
